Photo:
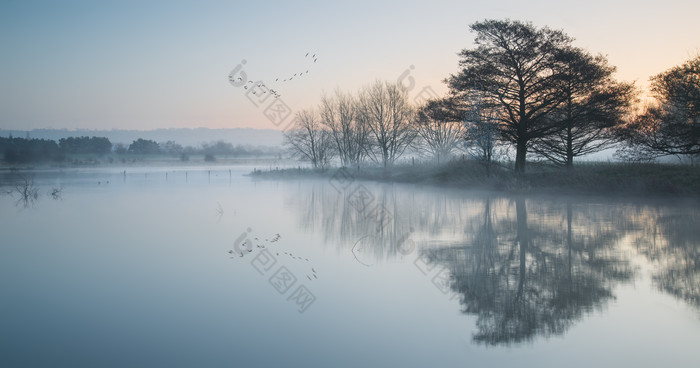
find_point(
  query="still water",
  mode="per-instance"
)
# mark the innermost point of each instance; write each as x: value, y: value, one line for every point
x: 206, y: 267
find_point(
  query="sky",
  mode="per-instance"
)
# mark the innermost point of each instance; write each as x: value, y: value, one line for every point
x: 166, y: 64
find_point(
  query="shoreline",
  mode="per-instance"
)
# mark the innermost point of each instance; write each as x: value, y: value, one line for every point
x: 112, y: 161
x: 630, y: 180
x: 587, y: 179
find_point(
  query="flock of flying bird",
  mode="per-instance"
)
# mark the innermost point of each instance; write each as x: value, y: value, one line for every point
x: 274, y: 93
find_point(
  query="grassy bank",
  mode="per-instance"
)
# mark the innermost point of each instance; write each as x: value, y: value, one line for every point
x: 624, y: 179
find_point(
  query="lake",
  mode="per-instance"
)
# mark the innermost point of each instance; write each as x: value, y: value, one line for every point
x: 208, y: 267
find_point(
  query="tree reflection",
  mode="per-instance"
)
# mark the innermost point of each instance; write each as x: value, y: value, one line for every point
x: 22, y: 187
x: 672, y: 243
x: 526, y: 279
x: 524, y: 268
x: 383, y: 224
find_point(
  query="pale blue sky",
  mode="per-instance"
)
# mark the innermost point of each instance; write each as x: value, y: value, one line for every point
x: 160, y: 64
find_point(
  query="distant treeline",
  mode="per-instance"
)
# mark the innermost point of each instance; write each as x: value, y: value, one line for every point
x: 20, y: 150
x: 25, y: 150
x: 94, y: 145
x: 185, y: 136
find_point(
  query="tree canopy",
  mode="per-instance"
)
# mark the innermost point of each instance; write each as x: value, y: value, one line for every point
x: 671, y: 125
x: 144, y: 146
x: 95, y: 145
x: 594, y: 104
x: 517, y: 68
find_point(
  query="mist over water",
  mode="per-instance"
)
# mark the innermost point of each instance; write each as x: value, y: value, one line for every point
x: 187, y: 266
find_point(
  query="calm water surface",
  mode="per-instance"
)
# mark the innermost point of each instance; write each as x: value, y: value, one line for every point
x: 199, y: 267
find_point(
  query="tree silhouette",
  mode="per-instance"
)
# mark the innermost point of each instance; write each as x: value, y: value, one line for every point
x: 384, y: 108
x: 350, y: 135
x: 482, y: 131
x: 440, y: 129
x: 517, y: 68
x: 21, y: 150
x: 309, y: 140
x: 94, y: 145
x: 594, y: 105
x: 672, y: 125
x: 144, y: 147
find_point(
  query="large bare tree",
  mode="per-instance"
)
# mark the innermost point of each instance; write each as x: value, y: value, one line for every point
x: 310, y: 140
x: 481, y: 126
x: 384, y: 108
x: 440, y: 128
x: 350, y: 134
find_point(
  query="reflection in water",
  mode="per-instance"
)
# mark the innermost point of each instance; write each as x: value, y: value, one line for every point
x: 672, y: 243
x: 22, y: 187
x: 532, y: 278
x: 387, y: 225
x: 525, y: 268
